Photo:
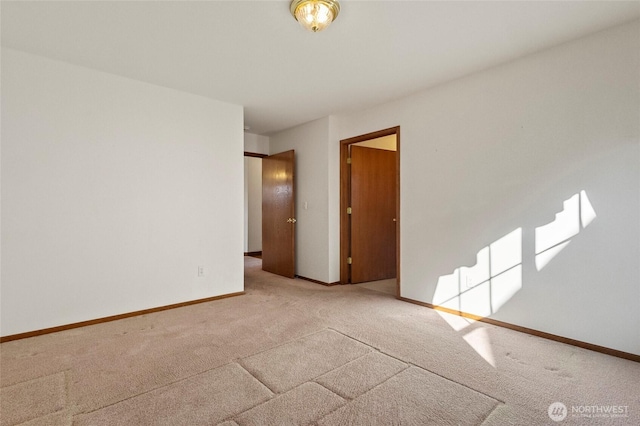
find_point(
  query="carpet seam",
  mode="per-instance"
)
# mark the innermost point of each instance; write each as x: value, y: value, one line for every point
x: 160, y: 387
x: 233, y: 418
x: 421, y: 368
x: 346, y: 402
x: 349, y: 401
x: 408, y: 366
x: 65, y: 380
x: 35, y: 378
x: 458, y: 383
x: 491, y: 412
x: 315, y: 379
x: 273, y: 392
x: 273, y: 396
x: 285, y: 343
x: 312, y: 380
x: 67, y: 390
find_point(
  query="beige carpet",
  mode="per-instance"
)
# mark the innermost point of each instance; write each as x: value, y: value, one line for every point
x: 385, y: 286
x: 294, y: 352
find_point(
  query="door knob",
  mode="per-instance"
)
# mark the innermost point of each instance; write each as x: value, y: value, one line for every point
x: 291, y: 220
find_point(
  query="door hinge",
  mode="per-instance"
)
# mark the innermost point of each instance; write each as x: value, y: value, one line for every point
x: 348, y: 210
x: 349, y: 260
x: 349, y: 160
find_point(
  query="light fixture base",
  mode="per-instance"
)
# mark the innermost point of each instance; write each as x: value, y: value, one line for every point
x: 315, y: 15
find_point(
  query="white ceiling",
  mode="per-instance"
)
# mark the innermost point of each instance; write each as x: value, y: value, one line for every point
x: 254, y: 54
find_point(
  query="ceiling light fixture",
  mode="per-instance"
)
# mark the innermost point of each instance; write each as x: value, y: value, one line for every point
x: 315, y: 15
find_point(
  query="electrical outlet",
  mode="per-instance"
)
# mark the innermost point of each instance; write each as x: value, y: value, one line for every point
x: 201, y: 271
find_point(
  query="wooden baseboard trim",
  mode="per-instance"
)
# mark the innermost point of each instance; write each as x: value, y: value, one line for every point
x: 544, y: 335
x: 318, y: 282
x: 113, y: 318
x: 253, y: 253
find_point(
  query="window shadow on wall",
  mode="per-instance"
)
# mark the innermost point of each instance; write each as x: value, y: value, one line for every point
x: 482, y: 289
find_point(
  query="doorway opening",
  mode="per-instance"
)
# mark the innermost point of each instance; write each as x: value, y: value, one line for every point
x: 370, y: 208
x: 269, y: 213
x: 253, y: 204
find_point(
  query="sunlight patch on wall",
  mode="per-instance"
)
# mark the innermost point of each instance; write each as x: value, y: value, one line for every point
x: 553, y: 237
x: 485, y: 287
x: 482, y: 289
x: 587, y: 213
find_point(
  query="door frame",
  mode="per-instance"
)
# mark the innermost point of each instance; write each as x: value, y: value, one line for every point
x: 255, y: 154
x: 345, y: 237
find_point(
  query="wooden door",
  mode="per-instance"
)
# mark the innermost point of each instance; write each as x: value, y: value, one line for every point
x: 373, y: 210
x: 278, y: 214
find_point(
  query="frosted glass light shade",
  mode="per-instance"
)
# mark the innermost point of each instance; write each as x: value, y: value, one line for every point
x: 315, y: 15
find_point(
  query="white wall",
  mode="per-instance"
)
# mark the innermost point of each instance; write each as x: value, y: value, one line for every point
x: 497, y: 154
x: 502, y: 150
x: 310, y: 142
x: 258, y: 144
x: 253, y: 204
x: 113, y: 193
